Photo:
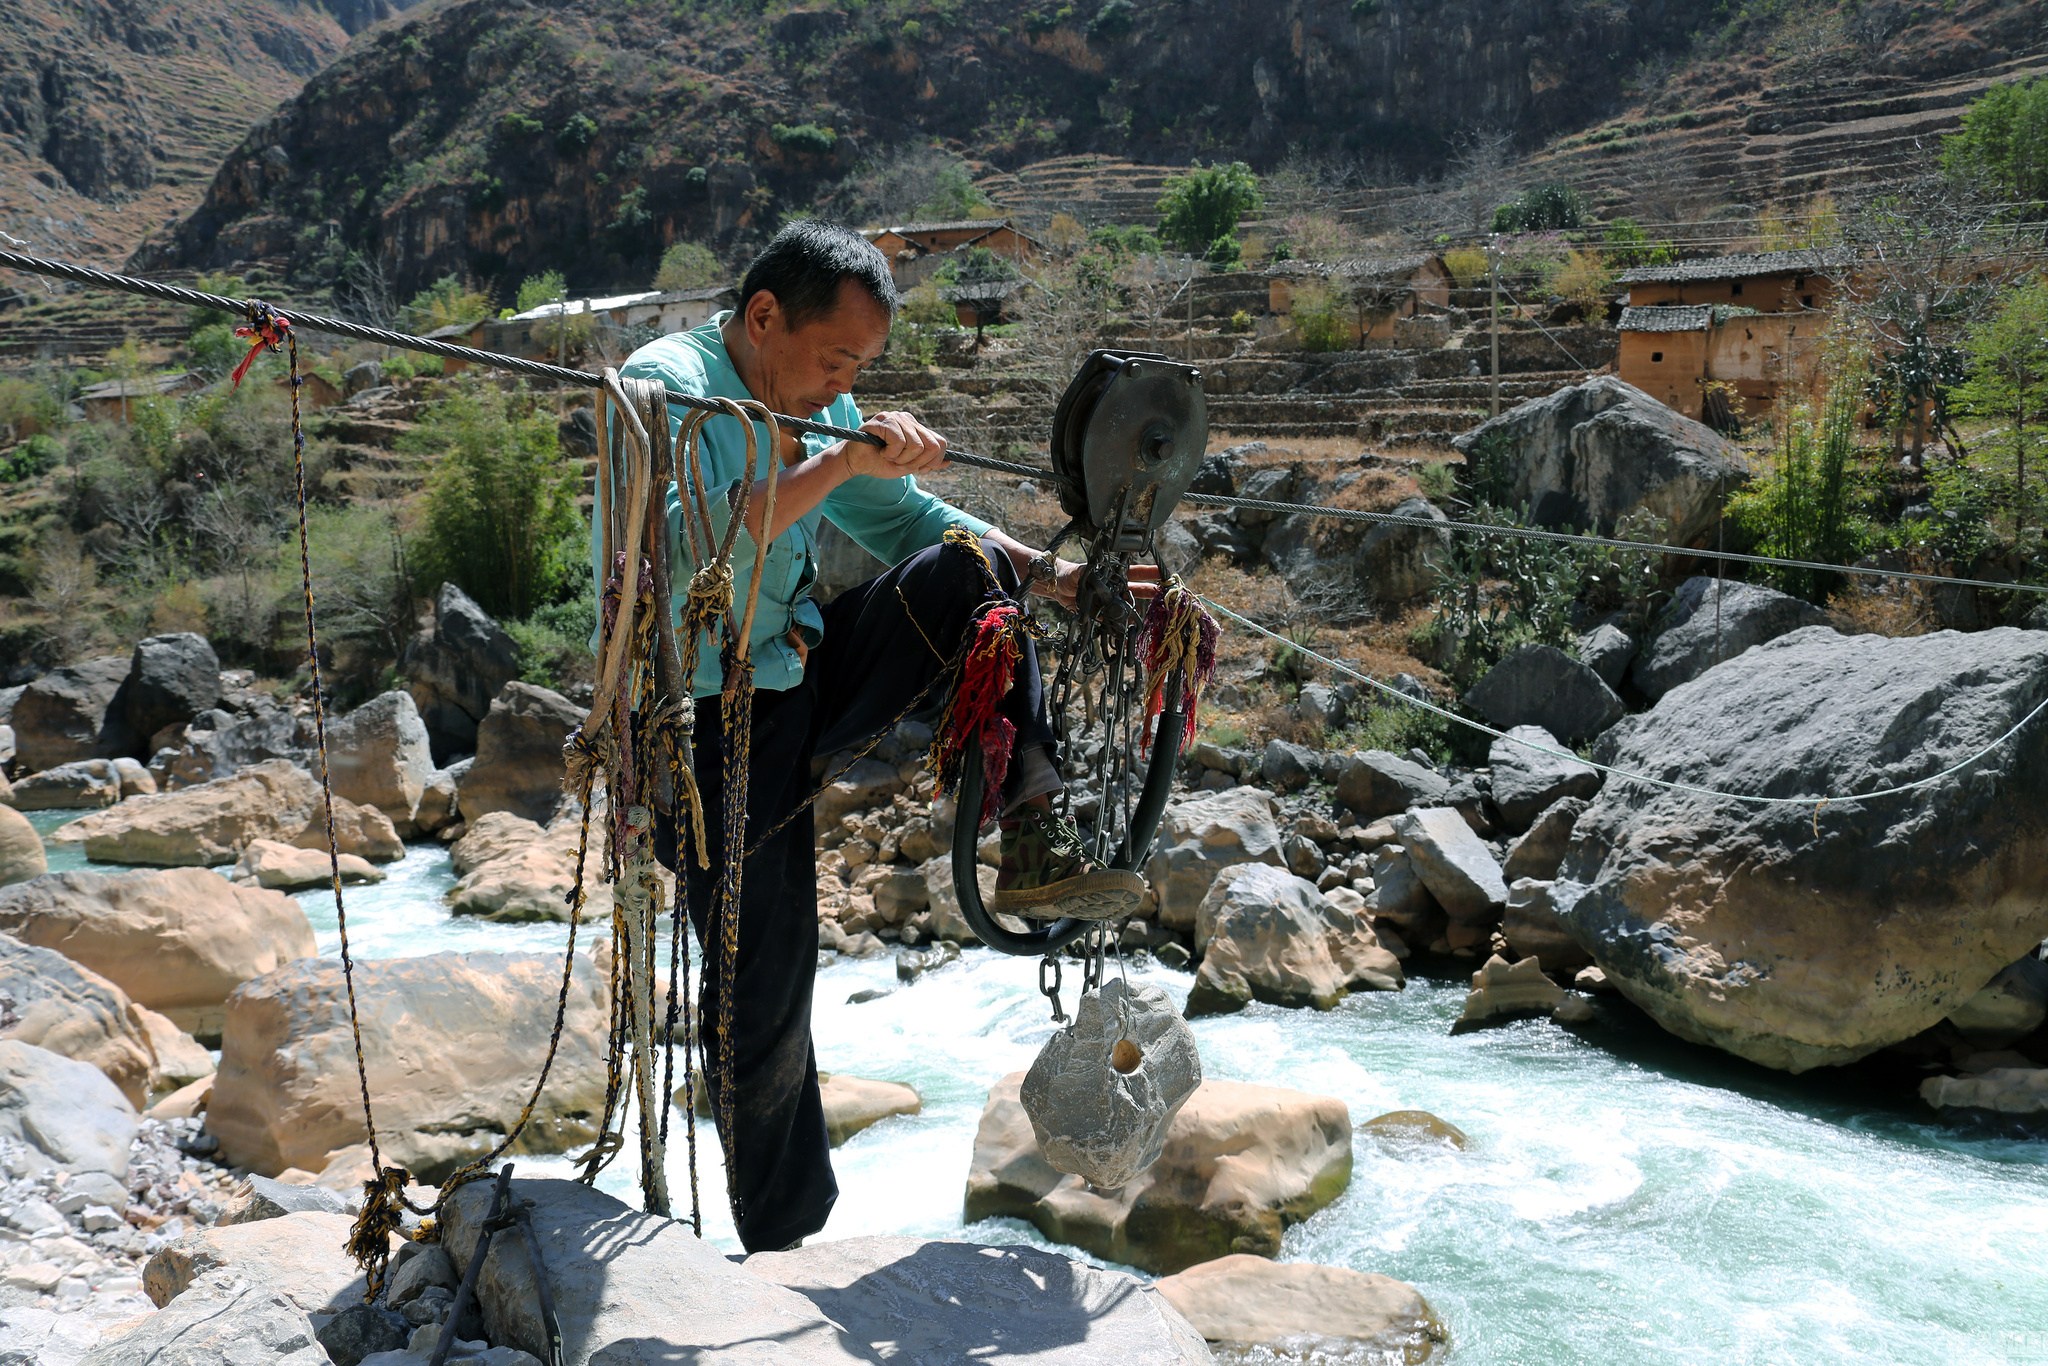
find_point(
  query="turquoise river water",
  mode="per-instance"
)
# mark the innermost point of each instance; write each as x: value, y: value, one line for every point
x: 1624, y: 1198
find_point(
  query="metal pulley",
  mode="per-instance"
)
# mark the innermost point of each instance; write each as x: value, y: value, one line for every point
x: 1129, y: 436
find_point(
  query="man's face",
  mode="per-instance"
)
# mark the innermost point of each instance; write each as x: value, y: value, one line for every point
x: 812, y: 364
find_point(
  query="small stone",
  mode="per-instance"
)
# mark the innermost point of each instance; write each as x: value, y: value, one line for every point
x: 1413, y: 1126
x: 1174, y: 956
x: 98, y: 1219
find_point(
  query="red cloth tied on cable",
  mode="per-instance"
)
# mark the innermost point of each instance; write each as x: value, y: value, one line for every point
x: 265, y: 331
x: 987, y: 673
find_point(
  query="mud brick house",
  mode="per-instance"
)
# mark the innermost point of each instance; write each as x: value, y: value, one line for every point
x: 916, y: 250
x: 1700, y: 334
x: 1381, y: 292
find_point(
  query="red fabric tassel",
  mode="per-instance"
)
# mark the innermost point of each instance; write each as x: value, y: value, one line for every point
x: 265, y: 332
x: 971, y: 719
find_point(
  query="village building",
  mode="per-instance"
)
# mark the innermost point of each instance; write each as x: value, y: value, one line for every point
x: 984, y: 304
x: 113, y: 400
x: 915, y: 251
x: 1379, y: 293
x: 543, y: 333
x: 1728, y: 335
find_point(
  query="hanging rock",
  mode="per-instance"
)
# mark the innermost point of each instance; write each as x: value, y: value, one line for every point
x: 1094, y: 1119
x: 1241, y: 1164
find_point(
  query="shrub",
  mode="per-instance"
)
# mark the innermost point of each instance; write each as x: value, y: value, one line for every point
x: 1466, y: 264
x: 1206, y: 204
x: 2008, y: 385
x: 1240, y: 321
x: 1555, y: 207
x: 808, y: 139
x: 577, y: 134
x: 448, y: 300
x: 1115, y: 19
x: 554, y: 644
x: 498, y: 516
x: 1321, y: 317
x: 689, y: 265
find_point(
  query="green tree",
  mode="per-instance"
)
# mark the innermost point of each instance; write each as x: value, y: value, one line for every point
x: 498, y: 516
x: 1810, y: 504
x: 2003, y: 144
x: 447, y: 300
x: 977, y: 266
x: 544, y: 288
x: 689, y: 265
x: 1206, y: 204
x: 1555, y: 207
x: 2008, y: 385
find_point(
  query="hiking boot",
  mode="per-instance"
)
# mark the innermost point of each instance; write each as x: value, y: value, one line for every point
x: 1044, y: 875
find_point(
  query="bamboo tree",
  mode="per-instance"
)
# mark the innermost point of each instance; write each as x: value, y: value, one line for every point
x: 2008, y: 385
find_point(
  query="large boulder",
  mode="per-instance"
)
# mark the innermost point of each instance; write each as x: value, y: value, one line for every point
x: 1541, y: 685
x: 2011, y: 1006
x: 1457, y: 868
x: 1504, y: 991
x: 53, y: 1003
x: 656, y: 1293
x: 21, y: 848
x: 512, y: 869
x: 171, y: 679
x: 222, y: 1318
x: 213, y: 822
x: 1531, y: 771
x: 286, y: 867
x: 1799, y: 935
x: 1375, y: 783
x: 2008, y: 1096
x: 1712, y: 620
x: 219, y: 743
x: 1398, y: 562
x: 910, y: 1300
x: 1593, y: 453
x: 176, y: 940
x: 1200, y: 837
x: 853, y: 1104
x: 1266, y: 935
x: 1298, y: 1311
x: 378, y: 755
x: 452, y: 1042
x: 1242, y: 1163
x: 66, y: 1113
x: 519, y: 766
x: 1540, y: 850
x: 63, y: 715
x: 454, y: 670
x: 81, y: 785
x: 1533, y: 929
x: 303, y: 1254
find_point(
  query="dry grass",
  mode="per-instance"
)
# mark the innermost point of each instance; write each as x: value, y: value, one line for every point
x: 1899, y: 608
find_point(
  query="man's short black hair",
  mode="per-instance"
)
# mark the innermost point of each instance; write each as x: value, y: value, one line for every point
x: 803, y: 266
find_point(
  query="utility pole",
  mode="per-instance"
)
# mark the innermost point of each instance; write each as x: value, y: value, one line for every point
x: 1493, y: 282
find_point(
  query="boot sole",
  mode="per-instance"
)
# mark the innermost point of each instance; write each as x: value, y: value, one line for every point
x: 1106, y: 894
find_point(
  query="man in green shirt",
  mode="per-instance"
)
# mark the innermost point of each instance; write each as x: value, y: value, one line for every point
x: 814, y: 312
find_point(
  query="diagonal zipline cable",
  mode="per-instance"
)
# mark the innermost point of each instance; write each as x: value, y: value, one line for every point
x: 559, y: 374
x: 1621, y: 774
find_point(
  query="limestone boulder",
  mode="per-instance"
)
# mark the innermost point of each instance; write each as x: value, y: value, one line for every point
x: 21, y: 848
x: 1399, y: 900
x: 1241, y: 1163
x: 1592, y: 454
x: 519, y: 766
x: 1710, y: 621
x: 62, y: 716
x: 868, y: 784
x: 220, y: 743
x: 1608, y: 651
x: 286, y: 867
x: 1504, y: 991
x: 911, y: 1300
x: 177, y: 940
x: 855, y: 1103
x: 1375, y: 783
x: 378, y: 755
x: 81, y: 785
x: 1798, y: 937
x: 2007, y: 1095
x: 455, y: 668
x: 1541, y: 685
x: 1201, y: 836
x: 512, y: 869
x: 54, y: 1003
x: 1266, y: 935
x: 303, y: 1254
x: 1533, y: 929
x: 453, y: 1043
x: 2010, y: 1006
x: 1532, y: 770
x: 178, y: 1058
x: 438, y: 808
x: 171, y: 679
x: 1457, y: 868
x: 65, y: 1113
x: 222, y: 1317
x: 1244, y: 1304
x: 630, y: 1289
x: 214, y: 821
x: 1540, y: 850
x: 1398, y: 563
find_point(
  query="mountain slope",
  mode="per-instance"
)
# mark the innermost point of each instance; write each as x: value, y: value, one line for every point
x: 114, y: 114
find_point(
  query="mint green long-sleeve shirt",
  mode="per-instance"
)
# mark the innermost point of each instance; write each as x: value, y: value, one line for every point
x: 889, y: 518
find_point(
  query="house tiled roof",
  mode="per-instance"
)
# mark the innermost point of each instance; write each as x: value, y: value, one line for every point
x: 957, y: 225
x: 1356, y: 267
x: 1741, y: 266
x: 1689, y: 318
x: 984, y: 292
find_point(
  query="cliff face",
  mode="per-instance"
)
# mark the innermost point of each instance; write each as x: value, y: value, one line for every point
x: 499, y: 139
x: 113, y: 113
